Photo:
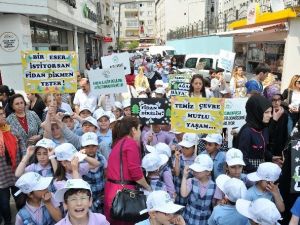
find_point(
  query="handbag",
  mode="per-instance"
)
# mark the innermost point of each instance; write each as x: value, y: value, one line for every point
x: 127, y: 204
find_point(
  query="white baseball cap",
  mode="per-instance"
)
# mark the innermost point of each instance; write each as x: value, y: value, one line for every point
x: 261, y: 211
x: 85, y: 107
x: 71, y: 184
x: 234, y: 157
x: 126, y: 103
x: 118, y: 105
x: 32, y: 181
x: 89, y: 138
x: 91, y: 120
x: 153, y: 161
x: 213, y: 138
x: 266, y: 171
x: 45, y: 143
x: 202, y: 163
x: 139, y: 90
x: 161, y: 201
x: 160, y: 90
x: 163, y: 148
x: 233, y: 188
x: 159, y: 82
x: 67, y: 151
x: 98, y: 115
x: 189, y: 140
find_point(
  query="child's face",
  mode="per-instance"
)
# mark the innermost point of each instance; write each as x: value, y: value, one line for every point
x: 235, y: 171
x: 188, y: 152
x: 42, y: 156
x: 56, y: 131
x: 85, y: 113
x: 88, y: 127
x: 211, y: 147
x: 91, y: 150
x: 127, y: 111
x: 161, y: 218
x: 67, y: 165
x: 39, y: 194
x: 201, y: 175
x: 69, y: 122
x: 78, y: 205
x: 103, y: 123
x: 117, y: 113
x: 262, y: 184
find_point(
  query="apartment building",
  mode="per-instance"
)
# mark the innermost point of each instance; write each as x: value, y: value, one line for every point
x: 137, y: 22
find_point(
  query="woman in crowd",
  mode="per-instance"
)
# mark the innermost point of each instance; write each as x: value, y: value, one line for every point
x: 253, y: 138
x: 141, y: 81
x: 5, y: 93
x: 25, y: 124
x: 126, y: 138
x: 10, y: 155
x: 237, y: 83
x: 50, y: 101
x: 291, y: 97
x: 36, y: 104
x: 198, y: 89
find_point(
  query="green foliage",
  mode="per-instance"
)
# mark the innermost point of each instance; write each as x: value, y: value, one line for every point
x: 121, y: 45
x: 133, y: 45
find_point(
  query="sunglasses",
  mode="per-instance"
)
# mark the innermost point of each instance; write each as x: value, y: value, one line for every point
x: 297, y: 82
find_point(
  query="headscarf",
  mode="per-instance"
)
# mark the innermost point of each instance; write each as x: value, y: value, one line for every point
x: 255, y: 108
x: 9, y: 142
x: 271, y: 90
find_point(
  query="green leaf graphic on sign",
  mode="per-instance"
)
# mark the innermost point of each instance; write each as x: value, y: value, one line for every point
x: 168, y: 112
x: 135, y: 109
x: 175, y: 86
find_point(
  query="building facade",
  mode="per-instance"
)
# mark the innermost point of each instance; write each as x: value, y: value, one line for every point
x: 137, y: 22
x: 56, y: 25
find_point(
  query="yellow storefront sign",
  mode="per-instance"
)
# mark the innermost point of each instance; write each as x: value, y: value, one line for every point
x: 50, y: 71
x: 197, y: 115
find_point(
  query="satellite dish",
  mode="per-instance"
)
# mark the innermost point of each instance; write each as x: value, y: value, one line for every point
x: 277, y: 5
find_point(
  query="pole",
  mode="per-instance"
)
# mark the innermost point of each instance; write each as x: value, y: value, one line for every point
x: 119, y: 20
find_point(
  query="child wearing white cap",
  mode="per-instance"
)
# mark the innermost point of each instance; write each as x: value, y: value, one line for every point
x: 76, y: 197
x: 200, y: 191
x: 265, y: 177
x: 235, y: 164
x: 69, y: 166
x: 42, y: 165
x: 95, y: 177
x: 226, y: 214
x: 161, y: 210
x: 38, y: 206
x: 152, y: 164
x: 127, y: 107
x: 166, y: 169
x: 213, y: 144
x: 260, y: 211
x: 184, y: 157
x: 118, y: 110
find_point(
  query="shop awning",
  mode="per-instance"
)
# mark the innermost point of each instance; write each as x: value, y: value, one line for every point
x: 264, y: 18
x: 245, y: 31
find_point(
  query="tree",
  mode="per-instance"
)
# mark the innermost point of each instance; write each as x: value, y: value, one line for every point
x: 121, y: 45
x: 133, y: 45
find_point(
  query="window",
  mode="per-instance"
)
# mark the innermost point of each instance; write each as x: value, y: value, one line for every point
x: 54, y: 36
x: 149, y: 13
x: 206, y: 63
x: 150, y: 22
x: 141, y: 13
x: 132, y: 23
x: 42, y: 35
x: 149, y: 4
x: 32, y: 34
x: 191, y: 63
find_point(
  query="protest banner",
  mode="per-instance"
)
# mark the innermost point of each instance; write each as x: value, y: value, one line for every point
x: 197, y: 115
x: 151, y: 110
x: 226, y: 60
x: 107, y: 81
x: 180, y: 88
x: 118, y: 60
x: 49, y: 71
x: 295, y: 166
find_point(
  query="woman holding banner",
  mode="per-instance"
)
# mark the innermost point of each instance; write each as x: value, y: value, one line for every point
x: 198, y: 89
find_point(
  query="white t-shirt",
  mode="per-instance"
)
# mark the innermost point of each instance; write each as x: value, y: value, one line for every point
x: 82, y: 99
x: 144, y: 222
x: 66, y: 107
x: 295, y: 99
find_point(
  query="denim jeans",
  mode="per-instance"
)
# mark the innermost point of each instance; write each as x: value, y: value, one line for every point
x: 5, y: 212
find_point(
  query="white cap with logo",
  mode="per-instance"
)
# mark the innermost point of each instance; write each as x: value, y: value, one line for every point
x: 202, y: 163
x: 266, y: 171
x: 67, y: 151
x: 189, y: 140
x: 153, y: 161
x: 71, y: 184
x: 85, y: 107
x: 32, y: 181
x: 160, y: 148
x: 261, y: 211
x: 213, y: 138
x: 45, y: 143
x: 234, y: 157
x: 89, y: 138
x: 233, y: 188
x: 161, y: 201
x: 90, y: 120
x: 126, y: 103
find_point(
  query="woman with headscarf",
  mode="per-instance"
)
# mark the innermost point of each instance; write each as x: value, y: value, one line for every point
x: 253, y: 138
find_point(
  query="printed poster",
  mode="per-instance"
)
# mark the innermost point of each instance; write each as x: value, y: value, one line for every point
x: 295, y: 166
x: 226, y: 60
x: 179, y: 88
x: 107, y: 81
x: 151, y: 110
x: 49, y: 71
x: 118, y: 60
x: 197, y: 115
